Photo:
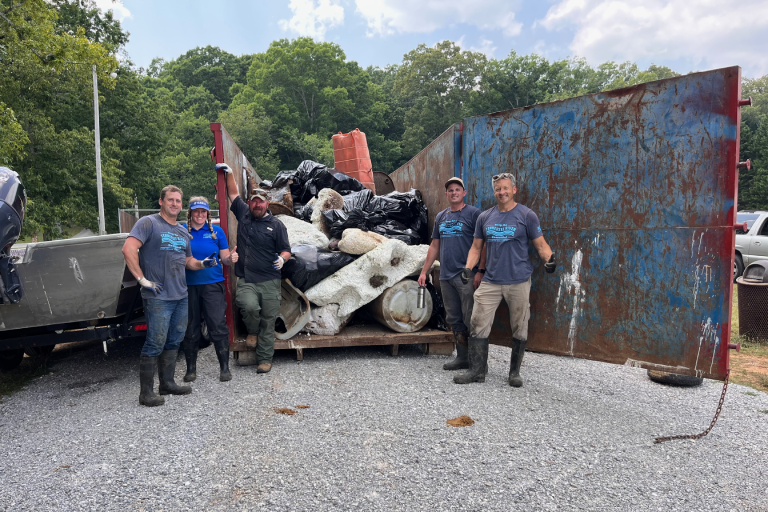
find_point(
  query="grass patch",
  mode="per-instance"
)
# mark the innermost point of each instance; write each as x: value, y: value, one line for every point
x: 764, y: 411
x: 30, y: 368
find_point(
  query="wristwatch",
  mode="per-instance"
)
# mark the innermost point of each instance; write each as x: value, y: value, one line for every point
x: 481, y: 270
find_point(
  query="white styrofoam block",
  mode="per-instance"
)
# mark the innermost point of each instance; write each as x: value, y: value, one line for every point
x: 360, y: 282
x: 326, y: 320
x: 303, y: 233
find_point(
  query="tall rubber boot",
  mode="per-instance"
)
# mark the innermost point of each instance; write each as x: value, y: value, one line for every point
x: 223, y: 354
x: 518, y: 351
x: 147, y: 396
x: 166, y: 367
x: 462, y: 353
x: 478, y: 362
x: 190, y: 353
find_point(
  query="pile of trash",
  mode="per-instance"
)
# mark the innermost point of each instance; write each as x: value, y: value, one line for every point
x: 348, y: 245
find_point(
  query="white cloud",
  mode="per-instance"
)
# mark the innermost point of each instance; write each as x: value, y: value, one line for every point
x: 312, y: 18
x: 711, y: 33
x: 385, y: 17
x: 486, y: 47
x: 119, y: 11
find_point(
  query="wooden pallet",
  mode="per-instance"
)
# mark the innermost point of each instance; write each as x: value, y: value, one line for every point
x: 435, y: 342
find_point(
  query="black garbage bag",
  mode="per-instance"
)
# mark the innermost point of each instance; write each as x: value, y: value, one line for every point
x: 399, y: 231
x: 437, y: 320
x: 311, y: 177
x: 359, y: 200
x: 304, y: 212
x: 309, y: 265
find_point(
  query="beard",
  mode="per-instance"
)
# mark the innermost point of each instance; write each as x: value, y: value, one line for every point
x: 258, y: 213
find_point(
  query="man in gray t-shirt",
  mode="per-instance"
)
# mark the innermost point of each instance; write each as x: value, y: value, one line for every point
x: 504, y: 232
x: 156, y: 252
x: 451, y: 239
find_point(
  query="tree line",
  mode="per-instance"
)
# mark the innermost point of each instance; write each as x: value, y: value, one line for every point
x: 281, y: 106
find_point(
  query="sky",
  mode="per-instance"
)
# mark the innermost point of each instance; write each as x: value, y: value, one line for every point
x: 686, y: 35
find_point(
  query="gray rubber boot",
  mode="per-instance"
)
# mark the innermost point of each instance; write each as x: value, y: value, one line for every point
x: 223, y: 354
x: 147, y: 396
x: 190, y: 353
x: 166, y: 367
x: 478, y: 362
x: 518, y: 351
x: 462, y: 354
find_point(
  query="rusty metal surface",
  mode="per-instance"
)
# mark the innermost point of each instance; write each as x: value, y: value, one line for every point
x: 635, y: 190
x: 429, y: 170
x: 384, y: 184
x: 397, y: 308
x: 225, y: 150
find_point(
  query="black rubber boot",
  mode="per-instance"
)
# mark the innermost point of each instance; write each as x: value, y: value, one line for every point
x: 166, y: 367
x: 223, y: 354
x: 190, y: 353
x: 518, y: 351
x: 147, y: 396
x: 462, y: 358
x: 478, y: 362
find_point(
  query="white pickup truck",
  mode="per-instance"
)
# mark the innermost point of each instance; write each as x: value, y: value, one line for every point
x: 751, y: 245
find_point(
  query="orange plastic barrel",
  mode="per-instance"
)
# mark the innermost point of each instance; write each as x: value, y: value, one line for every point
x: 350, y: 152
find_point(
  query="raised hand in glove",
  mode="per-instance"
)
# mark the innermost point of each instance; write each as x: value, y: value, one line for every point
x: 278, y: 263
x: 210, y: 261
x: 224, y: 167
x: 550, y: 265
x: 151, y: 286
x: 466, y: 275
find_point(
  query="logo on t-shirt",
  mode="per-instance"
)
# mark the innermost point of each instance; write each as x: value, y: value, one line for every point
x: 451, y: 228
x: 173, y: 242
x: 500, y: 232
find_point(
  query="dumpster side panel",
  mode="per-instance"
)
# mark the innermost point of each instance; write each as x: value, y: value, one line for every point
x: 429, y: 170
x: 225, y: 150
x: 635, y: 190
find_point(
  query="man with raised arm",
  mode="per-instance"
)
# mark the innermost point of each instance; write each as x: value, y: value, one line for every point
x: 264, y: 248
x: 506, y: 230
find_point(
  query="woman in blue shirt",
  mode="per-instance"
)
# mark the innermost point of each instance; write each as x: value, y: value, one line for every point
x: 207, y: 299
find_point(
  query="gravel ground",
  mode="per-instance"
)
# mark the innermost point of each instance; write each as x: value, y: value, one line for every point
x: 579, y: 435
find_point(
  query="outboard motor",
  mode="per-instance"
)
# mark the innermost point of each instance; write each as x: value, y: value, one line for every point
x: 13, y: 203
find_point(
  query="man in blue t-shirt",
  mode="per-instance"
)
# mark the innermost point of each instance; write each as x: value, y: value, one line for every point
x: 451, y: 239
x: 504, y: 231
x: 156, y: 252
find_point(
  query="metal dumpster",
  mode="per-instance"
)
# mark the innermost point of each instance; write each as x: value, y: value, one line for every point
x: 636, y: 192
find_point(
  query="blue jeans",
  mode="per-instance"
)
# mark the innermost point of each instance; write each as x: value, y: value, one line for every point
x: 166, y: 325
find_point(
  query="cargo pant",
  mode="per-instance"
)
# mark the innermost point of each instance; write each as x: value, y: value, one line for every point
x: 488, y: 297
x: 259, y: 305
x: 458, y: 301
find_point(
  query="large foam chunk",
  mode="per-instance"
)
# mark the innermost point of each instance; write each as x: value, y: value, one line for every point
x: 360, y: 282
x: 303, y: 233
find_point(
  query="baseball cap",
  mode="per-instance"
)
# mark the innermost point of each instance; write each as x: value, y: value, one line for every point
x: 194, y: 205
x: 260, y: 193
x: 455, y: 180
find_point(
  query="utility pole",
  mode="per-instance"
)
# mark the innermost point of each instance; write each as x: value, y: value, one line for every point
x: 100, y: 195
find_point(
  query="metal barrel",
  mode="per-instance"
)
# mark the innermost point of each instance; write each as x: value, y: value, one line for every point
x: 397, y: 309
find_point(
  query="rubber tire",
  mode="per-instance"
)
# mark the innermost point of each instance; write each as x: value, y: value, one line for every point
x: 10, y: 359
x: 40, y: 352
x: 674, y: 379
x: 738, y: 267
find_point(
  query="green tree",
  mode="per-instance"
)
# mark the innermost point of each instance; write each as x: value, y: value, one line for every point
x: 753, y: 183
x: 435, y: 82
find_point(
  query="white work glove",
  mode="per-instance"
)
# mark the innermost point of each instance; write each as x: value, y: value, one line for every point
x: 223, y: 167
x: 210, y: 261
x: 151, y: 286
x: 278, y: 263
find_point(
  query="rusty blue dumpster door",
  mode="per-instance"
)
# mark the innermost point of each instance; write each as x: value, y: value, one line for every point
x: 636, y: 191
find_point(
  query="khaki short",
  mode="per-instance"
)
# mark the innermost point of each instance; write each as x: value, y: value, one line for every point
x: 488, y: 297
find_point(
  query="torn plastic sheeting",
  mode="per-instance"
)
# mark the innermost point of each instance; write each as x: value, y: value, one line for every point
x: 309, y: 265
x: 365, y: 279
